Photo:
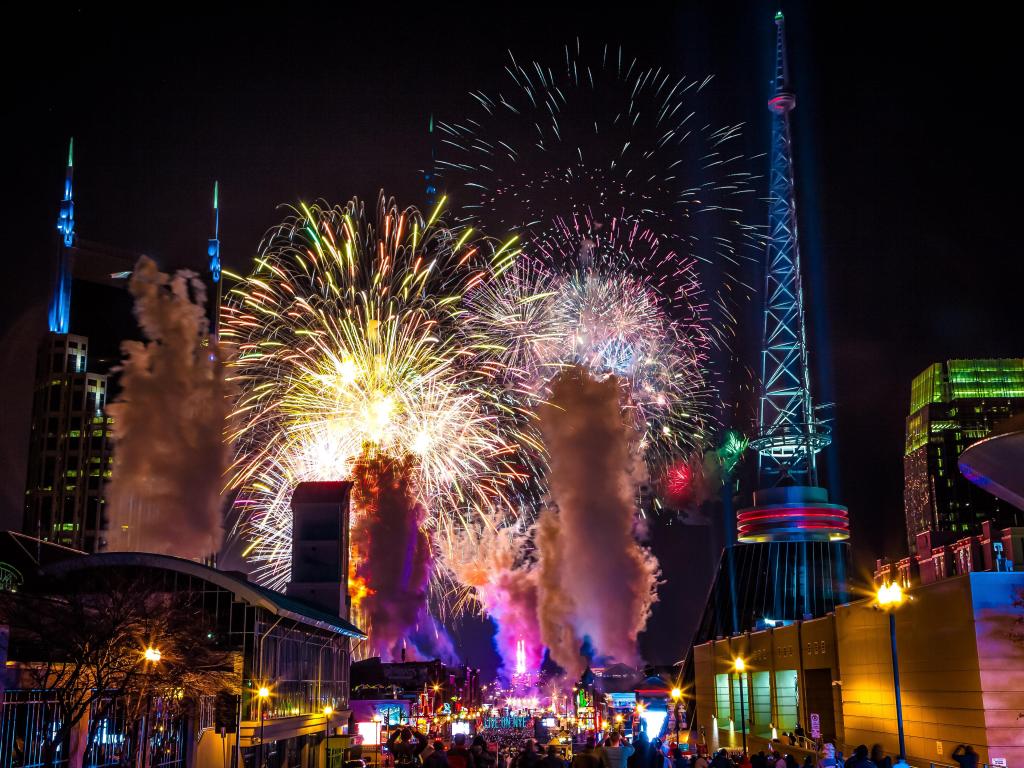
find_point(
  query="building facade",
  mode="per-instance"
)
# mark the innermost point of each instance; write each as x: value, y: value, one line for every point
x: 70, y: 451
x: 961, y: 664
x: 952, y: 405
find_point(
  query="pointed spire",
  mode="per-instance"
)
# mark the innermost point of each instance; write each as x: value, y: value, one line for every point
x: 783, y: 99
x: 213, y: 246
x: 60, y: 300
x: 430, y: 175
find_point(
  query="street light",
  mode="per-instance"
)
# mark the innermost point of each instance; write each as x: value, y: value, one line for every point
x: 262, y: 695
x: 889, y: 597
x: 377, y: 719
x: 150, y: 656
x: 328, y: 711
x: 740, y: 666
x: 677, y: 694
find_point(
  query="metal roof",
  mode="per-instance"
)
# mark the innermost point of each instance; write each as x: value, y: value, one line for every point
x: 277, y: 603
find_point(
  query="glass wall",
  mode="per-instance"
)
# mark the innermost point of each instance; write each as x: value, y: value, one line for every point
x: 787, y: 699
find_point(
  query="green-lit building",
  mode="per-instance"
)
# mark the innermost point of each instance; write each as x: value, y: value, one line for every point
x: 952, y: 405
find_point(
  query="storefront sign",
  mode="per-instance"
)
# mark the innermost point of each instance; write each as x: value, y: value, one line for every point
x: 494, y: 723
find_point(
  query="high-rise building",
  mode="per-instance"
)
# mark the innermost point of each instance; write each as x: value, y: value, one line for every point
x: 952, y: 405
x: 69, y: 447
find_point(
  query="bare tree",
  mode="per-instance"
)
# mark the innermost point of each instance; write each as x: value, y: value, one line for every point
x: 83, y: 641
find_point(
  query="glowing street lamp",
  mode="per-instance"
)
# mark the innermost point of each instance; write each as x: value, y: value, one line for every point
x: 677, y: 694
x: 262, y: 694
x: 151, y: 654
x: 328, y: 711
x: 888, y: 598
x: 740, y: 666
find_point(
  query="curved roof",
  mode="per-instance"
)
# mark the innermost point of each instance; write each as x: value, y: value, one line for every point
x: 268, y: 599
x: 995, y: 462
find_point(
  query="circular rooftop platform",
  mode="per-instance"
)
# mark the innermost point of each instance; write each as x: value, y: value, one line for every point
x: 792, y: 513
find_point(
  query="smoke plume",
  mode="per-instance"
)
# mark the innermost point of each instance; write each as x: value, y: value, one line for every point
x: 394, y: 555
x: 168, y: 423
x: 586, y: 542
x: 492, y: 560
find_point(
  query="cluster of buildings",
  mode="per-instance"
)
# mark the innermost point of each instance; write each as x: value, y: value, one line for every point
x: 786, y: 641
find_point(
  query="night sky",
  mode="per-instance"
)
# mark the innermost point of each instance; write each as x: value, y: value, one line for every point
x: 907, y: 162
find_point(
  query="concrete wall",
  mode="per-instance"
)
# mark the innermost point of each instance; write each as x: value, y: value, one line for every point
x: 961, y: 653
x: 775, y: 695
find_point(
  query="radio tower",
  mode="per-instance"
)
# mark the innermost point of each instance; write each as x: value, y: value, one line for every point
x: 791, y: 559
x: 789, y: 436
x: 789, y: 505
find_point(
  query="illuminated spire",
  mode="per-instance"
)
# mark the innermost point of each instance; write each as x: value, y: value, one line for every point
x: 430, y: 175
x: 213, y: 251
x: 60, y: 300
x: 213, y: 248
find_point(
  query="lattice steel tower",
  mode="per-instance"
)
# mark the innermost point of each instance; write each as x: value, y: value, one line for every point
x: 789, y: 434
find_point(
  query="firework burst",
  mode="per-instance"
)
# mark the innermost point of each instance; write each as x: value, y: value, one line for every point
x: 345, y: 353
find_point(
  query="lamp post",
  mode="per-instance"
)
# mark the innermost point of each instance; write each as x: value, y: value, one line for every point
x: 677, y: 694
x: 262, y: 695
x: 377, y: 719
x: 889, y: 597
x: 328, y: 711
x: 149, y: 656
x: 740, y: 666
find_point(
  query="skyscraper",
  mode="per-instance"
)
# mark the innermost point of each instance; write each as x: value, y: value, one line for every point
x: 69, y: 447
x: 69, y: 450
x: 952, y: 405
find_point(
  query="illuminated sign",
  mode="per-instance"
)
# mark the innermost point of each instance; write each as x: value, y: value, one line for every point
x: 623, y: 700
x: 494, y: 723
x: 10, y: 578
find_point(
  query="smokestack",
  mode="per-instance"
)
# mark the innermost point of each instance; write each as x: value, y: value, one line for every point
x: 320, y: 514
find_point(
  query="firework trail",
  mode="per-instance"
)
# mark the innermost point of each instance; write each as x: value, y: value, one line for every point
x: 345, y: 353
x: 630, y: 208
x: 164, y: 492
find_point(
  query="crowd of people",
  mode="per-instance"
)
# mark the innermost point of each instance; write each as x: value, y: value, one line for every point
x: 409, y: 747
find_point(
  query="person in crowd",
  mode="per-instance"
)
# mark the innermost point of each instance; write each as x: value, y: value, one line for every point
x: 828, y: 758
x: 587, y: 757
x: 799, y: 732
x: 859, y: 758
x: 437, y: 758
x: 458, y: 755
x: 791, y: 761
x: 615, y: 754
x: 405, y: 745
x: 482, y: 756
x: 721, y: 760
x: 745, y: 761
x: 679, y: 758
x: 966, y: 756
x: 758, y: 760
x: 641, y: 757
x: 778, y: 761
x: 552, y: 759
x: 699, y: 761
x: 528, y: 757
x: 879, y: 758
x: 809, y: 762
